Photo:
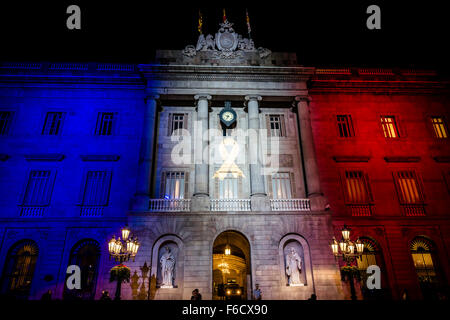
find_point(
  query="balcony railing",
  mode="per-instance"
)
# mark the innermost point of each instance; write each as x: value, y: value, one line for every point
x: 413, y: 210
x: 360, y: 210
x: 91, y: 211
x: 230, y: 205
x: 290, y: 204
x: 32, y: 211
x: 170, y: 205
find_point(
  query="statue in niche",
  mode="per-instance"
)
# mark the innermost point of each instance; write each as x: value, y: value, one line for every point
x: 293, y: 267
x: 167, y: 262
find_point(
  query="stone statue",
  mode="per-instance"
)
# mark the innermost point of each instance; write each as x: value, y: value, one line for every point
x: 167, y: 262
x: 293, y: 267
x: 189, y: 51
x: 210, y: 43
x: 201, y: 43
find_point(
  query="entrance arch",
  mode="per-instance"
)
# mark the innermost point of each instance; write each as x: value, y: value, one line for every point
x: 231, y: 267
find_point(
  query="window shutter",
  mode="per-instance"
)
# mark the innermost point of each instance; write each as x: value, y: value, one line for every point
x: 186, y: 185
x: 293, y: 189
x: 268, y: 125
x: 169, y: 124
x: 368, y: 188
x: 343, y: 177
x: 283, y: 126
x: 216, y: 187
x: 240, y: 192
x: 106, y: 188
x: 396, y: 176
x: 185, y: 121
x: 269, y: 186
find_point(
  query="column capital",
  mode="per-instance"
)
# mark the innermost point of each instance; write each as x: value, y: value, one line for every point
x: 152, y: 96
x: 253, y: 97
x: 303, y: 98
x: 202, y: 96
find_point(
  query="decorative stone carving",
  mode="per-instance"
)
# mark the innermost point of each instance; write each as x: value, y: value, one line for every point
x: 167, y: 263
x: 293, y: 267
x: 226, y: 44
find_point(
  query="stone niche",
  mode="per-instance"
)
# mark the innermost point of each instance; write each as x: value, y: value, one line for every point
x: 175, y: 245
x: 294, y: 246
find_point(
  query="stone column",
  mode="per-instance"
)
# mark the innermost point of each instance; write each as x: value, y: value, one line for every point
x: 258, y: 196
x: 145, y: 174
x: 314, y: 191
x: 200, y: 201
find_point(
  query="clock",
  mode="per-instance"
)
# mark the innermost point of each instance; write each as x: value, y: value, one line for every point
x: 227, y: 115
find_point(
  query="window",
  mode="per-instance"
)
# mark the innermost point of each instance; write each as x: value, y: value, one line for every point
x: 96, y: 191
x: 390, y: 128
x: 408, y: 187
x: 174, y: 185
x: 409, y: 192
x: 281, y: 185
x: 276, y: 125
x: 19, y: 269
x: 86, y: 255
x: 345, y: 126
x: 423, y: 255
x: 228, y: 187
x: 5, y: 122
x: 104, y: 124
x: 357, y: 187
x: 39, y: 189
x: 439, y: 127
x: 177, y: 121
x: 53, y: 123
x: 372, y: 256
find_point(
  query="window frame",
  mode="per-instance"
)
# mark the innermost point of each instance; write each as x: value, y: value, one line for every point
x: 114, y: 123
x: 401, y: 133
x: 163, y: 182
x: 108, y: 180
x: 367, y: 185
x: 283, y: 128
x: 52, y: 180
x: 9, y: 128
x: 61, y: 125
x: 432, y: 127
x: 170, y: 122
x: 419, y: 184
x: 351, y: 123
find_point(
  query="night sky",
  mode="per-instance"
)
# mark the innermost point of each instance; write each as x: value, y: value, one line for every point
x: 413, y: 34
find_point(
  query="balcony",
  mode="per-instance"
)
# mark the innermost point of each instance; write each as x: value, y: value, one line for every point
x: 360, y: 210
x: 170, y: 205
x: 413, y: 210
x: 290, y: 204
x: 230, y: 205
x: 91, y: 211
x: 32, y: 211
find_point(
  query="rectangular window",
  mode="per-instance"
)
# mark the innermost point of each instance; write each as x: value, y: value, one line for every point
x: 96, y: 190
x: 228, y: 187
x: 5, y: 122
x: 390, y: 128
x: 276, y: 125
x: 177, y: 121
x: 104, y: 124
x: 174, y: 187
x: 39, y: 189
x: 439, y: 127
x: 52, y: 123
x: 409, y: 191
x: 345, y: 126
x: 357, y: 188
x: 281, y: 185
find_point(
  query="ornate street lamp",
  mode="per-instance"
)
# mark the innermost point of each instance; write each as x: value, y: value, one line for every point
x: 122, y: 251
x: 346, y: 250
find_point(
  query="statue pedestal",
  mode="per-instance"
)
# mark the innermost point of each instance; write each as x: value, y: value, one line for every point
x: 166, y: 287
x: 260, y: 202
x: 296, y: 285
x: 200, y: 203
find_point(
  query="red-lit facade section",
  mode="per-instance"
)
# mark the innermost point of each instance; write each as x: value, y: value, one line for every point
x: 382, y: 146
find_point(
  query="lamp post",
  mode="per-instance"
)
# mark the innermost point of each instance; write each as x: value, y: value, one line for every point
x: 122, y: 251
x: 349, y: 251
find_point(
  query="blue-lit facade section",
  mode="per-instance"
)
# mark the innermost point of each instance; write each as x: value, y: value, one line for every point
x: 79, y: 92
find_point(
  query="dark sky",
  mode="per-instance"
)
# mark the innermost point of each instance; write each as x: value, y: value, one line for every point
x: 322, y: 33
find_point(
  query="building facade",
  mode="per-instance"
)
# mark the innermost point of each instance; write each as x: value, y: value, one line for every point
x: 234, y: 166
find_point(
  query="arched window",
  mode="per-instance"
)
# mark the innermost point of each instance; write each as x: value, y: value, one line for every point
x: 19, y: 269
x: 372, y: 256
x: 424, y: 257
x: 86, y: 255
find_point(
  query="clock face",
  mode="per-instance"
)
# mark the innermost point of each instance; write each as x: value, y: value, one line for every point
x: 228, y: 116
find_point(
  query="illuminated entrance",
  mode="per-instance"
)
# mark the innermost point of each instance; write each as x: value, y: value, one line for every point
x: 231, y: 267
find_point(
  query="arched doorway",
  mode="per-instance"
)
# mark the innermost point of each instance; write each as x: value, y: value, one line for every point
x: 86, y: 255
x: 231, y: 267
x: 19, y: 269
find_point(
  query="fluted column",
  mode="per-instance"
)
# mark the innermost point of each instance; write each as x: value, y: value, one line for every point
x: 200, y: 201
x: 145, y: 176
x: 258, y: 196
x: 309, y: 154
